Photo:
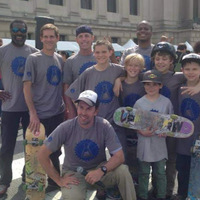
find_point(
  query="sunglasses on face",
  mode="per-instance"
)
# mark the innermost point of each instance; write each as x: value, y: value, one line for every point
x: 15, y: 30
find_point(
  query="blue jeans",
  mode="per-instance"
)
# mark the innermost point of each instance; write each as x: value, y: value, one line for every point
x: 9, y: 132
x: 50, y: 124
x: 183, y: 168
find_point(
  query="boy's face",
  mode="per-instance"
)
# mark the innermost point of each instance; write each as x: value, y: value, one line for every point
x: 163, y: 63
x: 133, y: 68
x: 191, y: 72
x: 152, y: 88
x: 102, y: 54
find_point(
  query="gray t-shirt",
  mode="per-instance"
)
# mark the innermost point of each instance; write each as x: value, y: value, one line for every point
x: 12, y: 64
x: 102, y: 83
x: 75, y: 65
x: 145, y: 52
x: 131, y: 93
x: 189, y: 108
x: 153, y: 149
x: 45, y: 73
x: 171, y: 83
x: 84, y: 147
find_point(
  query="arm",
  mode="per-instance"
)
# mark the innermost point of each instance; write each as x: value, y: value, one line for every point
x: 34, y: 124
x: 70, y: 107
x: 4, y: 95
x: 43, y: 157
x: 118, y: 85
x: 116, y: 160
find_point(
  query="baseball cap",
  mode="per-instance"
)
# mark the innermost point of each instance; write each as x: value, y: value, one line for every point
x: 83, y: 29
x: 89, y: 97
x: 152, y: 76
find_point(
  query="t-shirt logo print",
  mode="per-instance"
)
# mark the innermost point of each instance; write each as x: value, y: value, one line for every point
x: 18, y: 65
x: 105, y: 92
x: 53, y: 75
x: 86, y: 150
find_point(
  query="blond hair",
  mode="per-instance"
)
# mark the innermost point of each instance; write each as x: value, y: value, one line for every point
x: 134, y: 57
x: 50, y: 27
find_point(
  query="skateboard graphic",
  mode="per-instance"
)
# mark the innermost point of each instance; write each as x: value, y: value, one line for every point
x: 35, y: 175
x: 169, y: 125
x: 194, y: 181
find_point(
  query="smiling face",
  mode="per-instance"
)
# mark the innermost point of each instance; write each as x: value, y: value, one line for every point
x: 133, y: 68
x: 84, y: 41
x: 49, y: 40
x: 152, y: 89
x: 102, y: 54
x: 86, y: 114
x: 18, y: 33
x: 192, y: 72
x: 144, y: 32
x: 163, y: 62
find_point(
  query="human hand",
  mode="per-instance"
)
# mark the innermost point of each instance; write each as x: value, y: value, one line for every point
x: 34, y: 124
x: 147, y: 133
x: 67, y: 180
x: 4, y: 95
x: 117, y: 87
x: 190, y: 90
x: 94, y: 176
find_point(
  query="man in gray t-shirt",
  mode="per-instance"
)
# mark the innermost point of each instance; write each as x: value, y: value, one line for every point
x: 144, y: 47
x: 43, y: 88
x: 85, y: 138
x: 14, y: 110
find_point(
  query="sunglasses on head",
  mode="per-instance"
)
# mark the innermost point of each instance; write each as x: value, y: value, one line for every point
x: 15, y: 30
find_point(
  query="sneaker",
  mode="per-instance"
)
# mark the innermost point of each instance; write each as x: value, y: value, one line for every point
x: 101, y: 194
x: 113, y: 193
x: 178, y: 197
x: 3, y: 190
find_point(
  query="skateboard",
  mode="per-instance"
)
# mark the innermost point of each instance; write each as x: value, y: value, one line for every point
x: 35, y: 175
x: 169, y: 125
x: 194, y: 180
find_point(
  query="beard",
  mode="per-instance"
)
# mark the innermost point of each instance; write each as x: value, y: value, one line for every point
x: 18, y: 42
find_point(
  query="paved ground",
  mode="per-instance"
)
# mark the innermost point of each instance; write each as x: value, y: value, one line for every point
x: 15, y: 191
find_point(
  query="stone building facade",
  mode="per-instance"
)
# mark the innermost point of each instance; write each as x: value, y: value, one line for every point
x: 115, y: 18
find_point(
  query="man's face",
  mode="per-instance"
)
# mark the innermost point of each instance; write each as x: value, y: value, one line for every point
x: 86, y: 114
x: 49, y: 39
x: 18, y: 34
x: 85, y: 40
x: 144, y: 32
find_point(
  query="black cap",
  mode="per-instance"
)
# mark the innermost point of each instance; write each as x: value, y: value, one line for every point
x: 152, y: 76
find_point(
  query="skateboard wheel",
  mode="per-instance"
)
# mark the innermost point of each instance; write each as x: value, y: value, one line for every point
x: 40, y: 187
x: 129, y: 108
x: 40, y: 142
x: 25, y: 187
x: 25, y: 142
x: 173, y: 116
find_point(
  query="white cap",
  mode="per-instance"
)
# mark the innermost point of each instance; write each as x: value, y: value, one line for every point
x: 89, y: 97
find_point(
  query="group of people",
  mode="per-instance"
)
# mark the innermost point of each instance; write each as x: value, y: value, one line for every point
x: 75, y: 101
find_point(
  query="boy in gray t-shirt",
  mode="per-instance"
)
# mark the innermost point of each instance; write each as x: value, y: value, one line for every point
x: 151, y: 149
x: 100, y: 78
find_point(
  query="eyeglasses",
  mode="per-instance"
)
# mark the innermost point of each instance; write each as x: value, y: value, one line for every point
x: 22, y: 30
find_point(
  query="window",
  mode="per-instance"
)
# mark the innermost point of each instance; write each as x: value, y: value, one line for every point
x: 56, y: 2
x: 133, y: 7
x: 62, y: 37
x: 114, y: 39
x: 86, y: 4
x: 111, y: 6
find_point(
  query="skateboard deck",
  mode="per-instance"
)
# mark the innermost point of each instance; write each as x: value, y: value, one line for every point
x: 194, y: 181
x: 169, y: 125
x: 35, y: 175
